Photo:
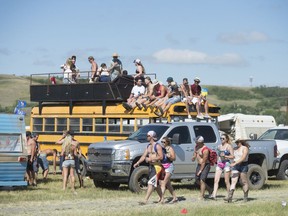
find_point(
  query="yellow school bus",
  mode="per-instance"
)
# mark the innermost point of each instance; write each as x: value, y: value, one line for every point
x: 93, y: 111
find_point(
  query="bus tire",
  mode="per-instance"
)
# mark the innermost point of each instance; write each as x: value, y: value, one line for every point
x: 139, y: 179
x: 256, y: 177
x: 283, y: 171
x: 107, y: 185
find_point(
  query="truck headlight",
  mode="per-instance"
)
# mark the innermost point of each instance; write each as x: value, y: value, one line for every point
x: 122, y: 154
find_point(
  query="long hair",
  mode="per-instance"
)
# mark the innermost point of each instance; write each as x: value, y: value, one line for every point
x: 243, y: 142
x: 67, y: 144
x: 227, y: 138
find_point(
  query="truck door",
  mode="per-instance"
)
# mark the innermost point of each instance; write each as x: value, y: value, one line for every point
x: 184, y: 151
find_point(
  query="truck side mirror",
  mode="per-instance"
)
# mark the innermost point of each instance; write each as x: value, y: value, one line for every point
x: 176, y: 138
x: 253, y: 136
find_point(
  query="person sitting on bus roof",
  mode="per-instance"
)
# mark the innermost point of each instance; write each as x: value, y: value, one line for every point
x: 147, y: 94
x: 94, y: 68
x: 137, y: 91
x: 159, y: 92
x: 103, y: 73
x: 173, y: 97
x: 198, y: 99
x: 186, y: 95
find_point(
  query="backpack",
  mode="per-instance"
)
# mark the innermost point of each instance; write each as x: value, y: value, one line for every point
x: 212, y: 156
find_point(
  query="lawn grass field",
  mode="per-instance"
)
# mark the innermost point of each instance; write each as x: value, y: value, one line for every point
x: 48, y: 198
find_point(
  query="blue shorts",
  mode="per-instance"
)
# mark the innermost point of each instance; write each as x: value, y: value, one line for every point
x: 240, y: 168
x: 68, y: 163
x: 173, y: 100
x: 43, y: 162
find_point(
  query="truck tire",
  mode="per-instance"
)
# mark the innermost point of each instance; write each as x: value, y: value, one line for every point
x: 283, y: 171
x: 107, y: 185
x: 83, y: 168
x: 139, y: 179
x: 256, y: 177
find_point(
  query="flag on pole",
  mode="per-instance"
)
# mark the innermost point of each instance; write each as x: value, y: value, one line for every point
x: 21, y: 104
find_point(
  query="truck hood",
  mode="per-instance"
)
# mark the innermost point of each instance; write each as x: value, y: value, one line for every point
x: 114, y: 144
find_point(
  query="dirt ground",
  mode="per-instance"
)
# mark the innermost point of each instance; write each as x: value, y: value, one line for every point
x: 109, y: 206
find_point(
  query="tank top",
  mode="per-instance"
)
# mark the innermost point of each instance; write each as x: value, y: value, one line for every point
x: 238, y: 153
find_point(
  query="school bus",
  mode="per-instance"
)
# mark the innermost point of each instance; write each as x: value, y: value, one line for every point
x: 93, y: 111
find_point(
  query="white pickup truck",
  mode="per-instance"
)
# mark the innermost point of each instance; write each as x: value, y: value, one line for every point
x: 280, y: 135
x: 111, y: 162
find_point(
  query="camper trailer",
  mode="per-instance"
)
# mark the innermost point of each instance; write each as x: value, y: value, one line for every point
x: 241, y: 126
x: 13, y: 153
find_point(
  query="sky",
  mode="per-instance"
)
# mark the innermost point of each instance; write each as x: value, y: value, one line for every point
x: 223, y: 42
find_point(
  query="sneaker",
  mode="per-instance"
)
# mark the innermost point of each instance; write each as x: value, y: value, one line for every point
x: 189, y: 117
x: 199, y: 116
x: 207, y: 116
x: 138, y: 105
x: 127, y: 106
x: 145, y: 107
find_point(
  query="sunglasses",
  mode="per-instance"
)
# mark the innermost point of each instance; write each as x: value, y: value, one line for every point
x: 222, y: 138
x: 163, y: 141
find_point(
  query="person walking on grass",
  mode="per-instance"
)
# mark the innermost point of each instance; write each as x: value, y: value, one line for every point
x: 153, y: 154
x: 201, y: 154
x: 240, y: 169
x: 167, y: 163
x: 226, y: 153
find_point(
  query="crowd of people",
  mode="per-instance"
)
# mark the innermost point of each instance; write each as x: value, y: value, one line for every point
x: 160, y: 158
x: 159, y: 97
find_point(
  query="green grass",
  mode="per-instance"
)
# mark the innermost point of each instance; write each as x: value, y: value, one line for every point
x: 48, y: 197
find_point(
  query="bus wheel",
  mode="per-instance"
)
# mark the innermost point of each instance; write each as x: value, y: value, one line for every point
x: 256, y: 177
x: 83, y: 168
x: 139, y: 179
x: 108, y: 185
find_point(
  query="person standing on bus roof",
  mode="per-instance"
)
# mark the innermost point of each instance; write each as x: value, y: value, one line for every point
x: 115, y: 66
x: 94, y: 68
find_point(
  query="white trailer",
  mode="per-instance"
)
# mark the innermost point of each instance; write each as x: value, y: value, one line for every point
x: 241, y: 126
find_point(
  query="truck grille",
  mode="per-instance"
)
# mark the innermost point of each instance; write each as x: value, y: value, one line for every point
x: 99, y: 154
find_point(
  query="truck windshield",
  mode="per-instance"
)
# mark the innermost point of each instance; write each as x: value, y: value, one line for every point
x: 278, y: 134
x: 141, y: 134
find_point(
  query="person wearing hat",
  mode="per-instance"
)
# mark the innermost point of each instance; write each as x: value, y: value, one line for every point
x: 94, y: 69
x: 115, y: 68
x: 153, y: 155
x: 198, y: 99
x: 201, y: 154
x: 140, y: 70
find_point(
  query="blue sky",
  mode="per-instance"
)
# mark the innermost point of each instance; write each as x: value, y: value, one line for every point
x: 223, y: 42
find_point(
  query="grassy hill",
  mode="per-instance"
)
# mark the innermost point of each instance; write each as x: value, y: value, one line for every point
x: 259, y: 100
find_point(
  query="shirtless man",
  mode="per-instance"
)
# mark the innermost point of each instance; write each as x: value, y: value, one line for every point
x: 31, y: 151
x: 94, y: 69
x: 43, y: 162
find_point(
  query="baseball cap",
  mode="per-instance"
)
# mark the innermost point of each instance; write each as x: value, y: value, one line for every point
x: 169, y: 79
x: 152, y: 134
x: 199, y: 139
x: 197, y: 79
x: 138, y: 61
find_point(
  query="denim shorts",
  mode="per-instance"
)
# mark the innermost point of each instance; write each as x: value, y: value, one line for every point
x: 240, y: 168
x: 170, y: 169
x: 43, y: 162
x: 223, y: 166
x: 173, y: 100
x: 68, y: 163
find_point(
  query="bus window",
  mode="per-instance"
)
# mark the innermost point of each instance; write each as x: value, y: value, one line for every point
x: 37, y: 124
x: 87, y: 124
x: 49, y: 124
x: 74, y: 124
x: 100, y: 125
x: 128, y: 125
x: 141, y: 122
x: 114, y: 125
x: 61, y: 124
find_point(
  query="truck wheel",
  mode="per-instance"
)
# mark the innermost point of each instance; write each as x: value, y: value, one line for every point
x: 256, y: 177
x: 283, y: 171
x: 139, y: 179
x: 108, y: 185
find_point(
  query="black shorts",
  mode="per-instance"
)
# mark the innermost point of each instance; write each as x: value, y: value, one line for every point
x: 29, y: 164
x: 204, y: 173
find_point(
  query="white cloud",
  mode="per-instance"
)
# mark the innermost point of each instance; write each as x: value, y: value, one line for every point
x: 193, y: 57
x: 243, y: 37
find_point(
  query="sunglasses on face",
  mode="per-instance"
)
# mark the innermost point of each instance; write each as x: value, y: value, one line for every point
x: 163, y: 141
x: 222, y: 138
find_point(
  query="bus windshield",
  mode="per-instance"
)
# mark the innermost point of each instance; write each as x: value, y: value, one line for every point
x: 141, y: 134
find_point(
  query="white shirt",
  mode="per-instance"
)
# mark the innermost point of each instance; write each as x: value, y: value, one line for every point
x: 138, y: 90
